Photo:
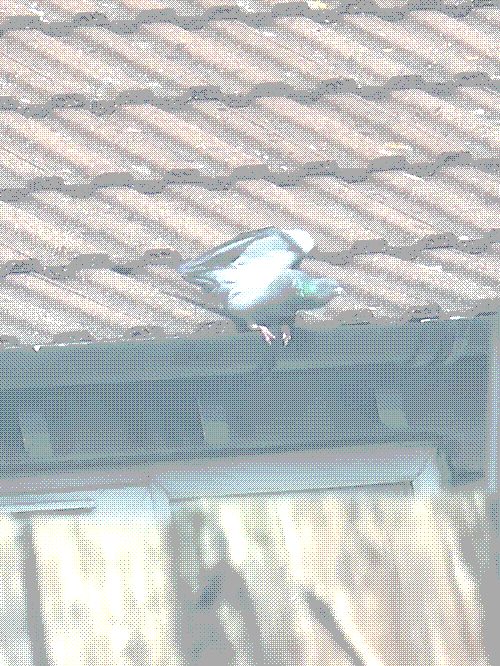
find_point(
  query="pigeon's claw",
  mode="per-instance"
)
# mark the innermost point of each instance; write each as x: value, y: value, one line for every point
x: 264, y: 331
x: 286, y: 335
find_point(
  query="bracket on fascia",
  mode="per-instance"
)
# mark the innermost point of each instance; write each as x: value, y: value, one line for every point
x: 214, y: 418
x: 390, y: 409
x: 36, y: 436
x: 430, y: 356
x: 460, y: 344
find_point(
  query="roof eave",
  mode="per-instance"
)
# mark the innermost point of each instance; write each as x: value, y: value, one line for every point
x: 190, y: 357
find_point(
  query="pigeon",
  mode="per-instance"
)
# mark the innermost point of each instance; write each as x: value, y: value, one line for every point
x: 254, y: 280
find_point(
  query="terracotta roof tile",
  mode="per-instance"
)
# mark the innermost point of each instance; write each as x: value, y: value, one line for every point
x: 214, y: 138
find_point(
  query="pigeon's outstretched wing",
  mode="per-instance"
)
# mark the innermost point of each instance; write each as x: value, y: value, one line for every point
x: 279, y: 248
x: 254, y: 279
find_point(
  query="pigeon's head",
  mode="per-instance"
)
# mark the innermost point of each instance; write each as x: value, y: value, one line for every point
x: 320, y: 290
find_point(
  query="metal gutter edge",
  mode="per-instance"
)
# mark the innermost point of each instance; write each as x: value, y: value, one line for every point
x: 114, y: 362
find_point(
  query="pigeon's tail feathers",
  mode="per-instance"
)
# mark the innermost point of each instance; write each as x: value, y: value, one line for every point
x: 195, y: 267
x: 302, y: 238
x: 199, y: 276
x: 273, y: 247
x: 207, y: 282
x: 197, y: 270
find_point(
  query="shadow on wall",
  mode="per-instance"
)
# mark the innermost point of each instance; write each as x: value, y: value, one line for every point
x: 326, y: 580
x: 311, y: 579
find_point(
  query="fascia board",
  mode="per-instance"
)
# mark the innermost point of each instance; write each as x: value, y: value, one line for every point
x: 112, y: 362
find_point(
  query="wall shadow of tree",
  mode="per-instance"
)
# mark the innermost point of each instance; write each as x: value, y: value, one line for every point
x: 202, y: 635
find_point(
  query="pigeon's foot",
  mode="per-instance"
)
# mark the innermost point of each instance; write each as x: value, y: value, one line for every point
x: 286, y: 335
x: 264, y: 331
